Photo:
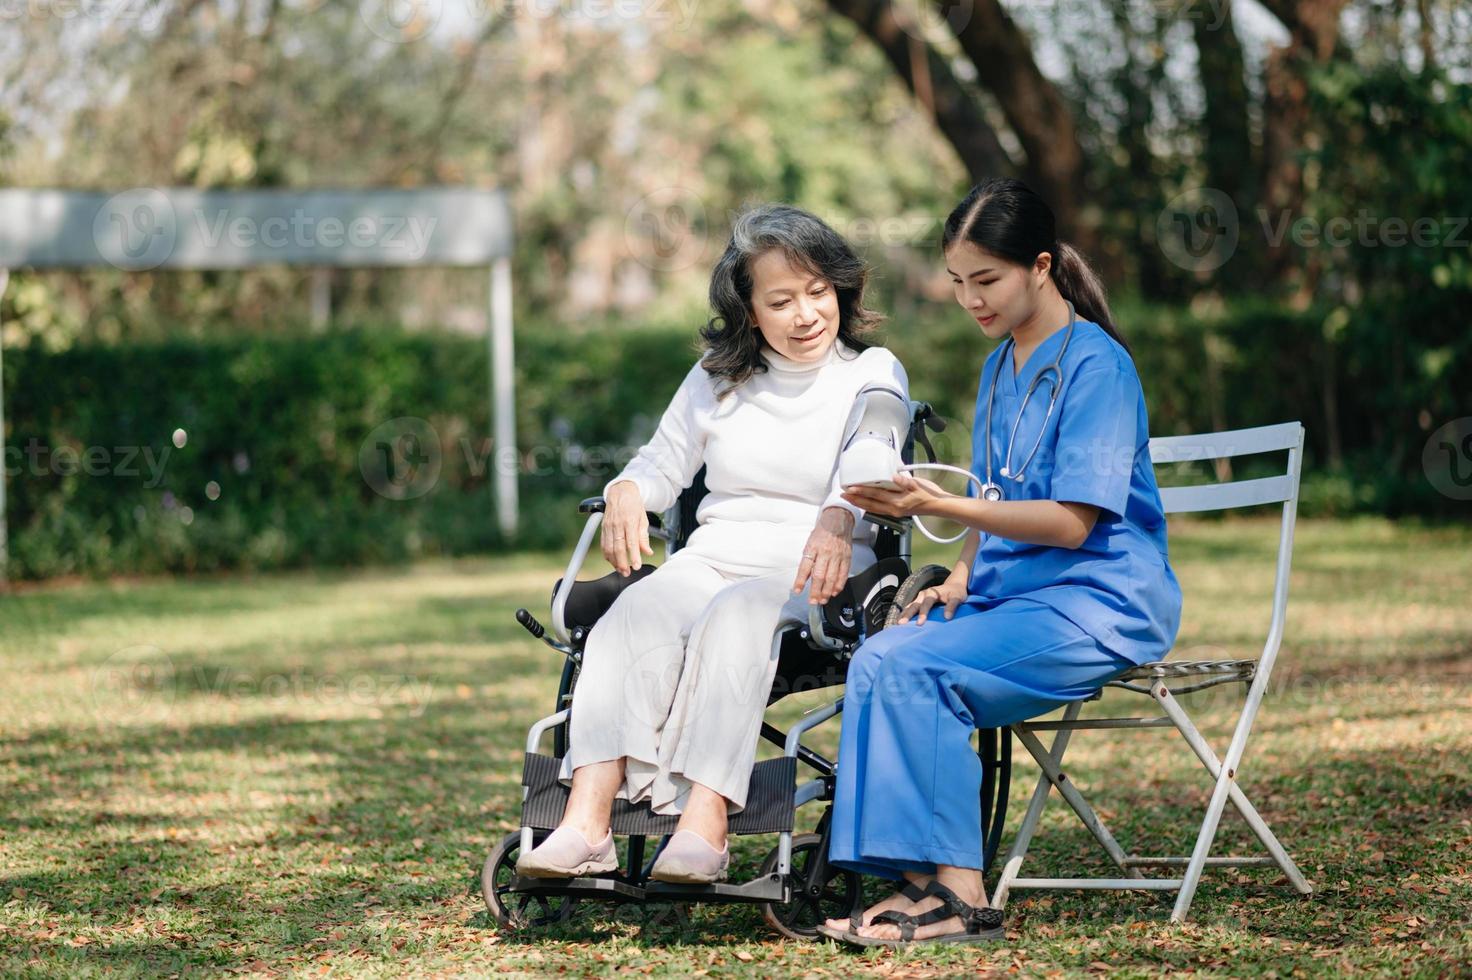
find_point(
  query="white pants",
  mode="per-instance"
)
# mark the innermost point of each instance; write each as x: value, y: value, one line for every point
x: 676, y: 674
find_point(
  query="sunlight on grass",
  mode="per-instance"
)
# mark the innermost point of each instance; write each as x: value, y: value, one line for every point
x: 286, y: 773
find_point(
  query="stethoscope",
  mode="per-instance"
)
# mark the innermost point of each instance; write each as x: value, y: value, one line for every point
x: 990, y: 490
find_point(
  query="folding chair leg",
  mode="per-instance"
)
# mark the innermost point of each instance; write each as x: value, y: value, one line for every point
x: 1076, y: 800
x: 1029, y: 824
x: 1204, y: 839
x: 1213, y: 765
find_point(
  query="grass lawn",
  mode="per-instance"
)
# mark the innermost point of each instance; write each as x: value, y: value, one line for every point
x: 301, y: 774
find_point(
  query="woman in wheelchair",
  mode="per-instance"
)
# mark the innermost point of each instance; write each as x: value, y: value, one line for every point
x: 1063, y: 583
x: 676, y: 674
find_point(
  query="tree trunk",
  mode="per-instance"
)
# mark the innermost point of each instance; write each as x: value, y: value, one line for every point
x: 1313, y: 28
x: 1226, y: 141
x: 957, y: 115
x: 1034, y: 109
x: 1032, y: 106
x: 1134, y: 82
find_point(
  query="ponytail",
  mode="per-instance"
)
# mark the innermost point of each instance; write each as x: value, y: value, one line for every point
x: 1080, y: 285
x: 1005, y: 217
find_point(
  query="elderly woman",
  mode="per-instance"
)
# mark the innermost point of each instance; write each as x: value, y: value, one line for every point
x: 676, y: 674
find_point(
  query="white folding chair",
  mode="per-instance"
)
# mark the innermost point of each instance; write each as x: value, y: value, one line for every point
x: 1164, y: 681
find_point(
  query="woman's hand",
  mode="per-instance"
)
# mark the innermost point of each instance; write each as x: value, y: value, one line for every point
x: 625, y: 527
x: 950, y: 592
x: 914, y: 496
x: 826, y: 556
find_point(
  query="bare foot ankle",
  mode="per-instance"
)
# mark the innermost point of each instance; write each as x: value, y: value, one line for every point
x: 896, y: 902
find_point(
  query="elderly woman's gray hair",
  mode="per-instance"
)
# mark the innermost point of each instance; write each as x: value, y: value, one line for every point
x: 733, y: 342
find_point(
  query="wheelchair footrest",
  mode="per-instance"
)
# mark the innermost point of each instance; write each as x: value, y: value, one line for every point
x: 595, y: 889
x: 769, y: 801
x: 772, y: 888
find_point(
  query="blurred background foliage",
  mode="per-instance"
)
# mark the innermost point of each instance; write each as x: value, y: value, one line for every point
x: 626, y: 135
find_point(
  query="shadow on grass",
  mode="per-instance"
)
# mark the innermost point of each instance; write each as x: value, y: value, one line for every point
x: 389, y: 820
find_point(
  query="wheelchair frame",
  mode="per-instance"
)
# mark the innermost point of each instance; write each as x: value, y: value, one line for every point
x: 831, y: 630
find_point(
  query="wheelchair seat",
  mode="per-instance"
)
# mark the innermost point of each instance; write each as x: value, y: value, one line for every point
x: 858, y: 609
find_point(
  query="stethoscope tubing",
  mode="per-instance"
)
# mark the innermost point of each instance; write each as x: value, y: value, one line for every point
x: 991, y: 490
x: 911, y: 467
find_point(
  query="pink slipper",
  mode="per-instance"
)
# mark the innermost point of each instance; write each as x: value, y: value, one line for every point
x: 688, y: 859
x: 566, y: 853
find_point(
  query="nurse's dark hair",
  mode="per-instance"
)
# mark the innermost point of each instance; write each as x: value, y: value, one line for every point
x: 1007, y: 218
x: 733, y: 342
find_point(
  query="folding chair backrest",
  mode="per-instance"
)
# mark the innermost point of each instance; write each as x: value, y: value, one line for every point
x: 1282, y: 488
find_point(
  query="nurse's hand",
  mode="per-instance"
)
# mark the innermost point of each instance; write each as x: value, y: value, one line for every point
x: 915, y: 495
x: 826, y: 556
x: 951, y: 593
x: 625, y: 527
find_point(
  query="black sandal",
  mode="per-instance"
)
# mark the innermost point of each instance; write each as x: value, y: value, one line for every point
x: 982, y: 924
x: 911, y: 891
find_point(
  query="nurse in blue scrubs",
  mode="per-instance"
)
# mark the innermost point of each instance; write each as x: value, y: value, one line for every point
x: 1062, y: 584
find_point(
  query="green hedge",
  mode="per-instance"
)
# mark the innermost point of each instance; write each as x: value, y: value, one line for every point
x: 98, y: 486
x: 279, y: 426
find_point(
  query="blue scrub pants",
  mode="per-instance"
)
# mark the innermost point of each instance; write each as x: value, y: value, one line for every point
x: 908, y: 793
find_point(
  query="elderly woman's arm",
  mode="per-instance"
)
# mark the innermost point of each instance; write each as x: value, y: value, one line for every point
x: 827, y: 555
x: 653, y: 479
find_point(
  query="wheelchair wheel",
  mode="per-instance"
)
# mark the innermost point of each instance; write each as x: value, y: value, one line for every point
x: 800, y: 918
x: 510, y: 910
x: 918, y: 582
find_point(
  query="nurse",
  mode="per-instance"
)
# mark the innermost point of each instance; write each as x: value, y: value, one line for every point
x: 1062, y: 584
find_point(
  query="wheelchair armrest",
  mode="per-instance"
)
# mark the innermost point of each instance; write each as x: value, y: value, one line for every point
x: 594, y: 505
x: 896, y: 524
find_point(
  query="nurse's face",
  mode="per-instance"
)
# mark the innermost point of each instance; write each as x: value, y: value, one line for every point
x: 795, y: 309
x: 999, y: 294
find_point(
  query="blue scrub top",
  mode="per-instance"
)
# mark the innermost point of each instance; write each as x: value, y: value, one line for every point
x: 1118, y: 586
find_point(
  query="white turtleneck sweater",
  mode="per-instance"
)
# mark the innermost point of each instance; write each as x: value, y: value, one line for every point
x: 770, y: 449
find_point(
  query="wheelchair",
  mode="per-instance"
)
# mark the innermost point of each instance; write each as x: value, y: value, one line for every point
x: 796, y: 886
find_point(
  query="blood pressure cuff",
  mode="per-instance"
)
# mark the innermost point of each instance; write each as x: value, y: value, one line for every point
x: 874, y: 436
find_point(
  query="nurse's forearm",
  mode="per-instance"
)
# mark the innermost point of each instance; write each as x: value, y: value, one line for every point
x: 961, y: 571
x: 1048, y: 522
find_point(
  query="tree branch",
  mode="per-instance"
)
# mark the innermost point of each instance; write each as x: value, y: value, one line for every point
x: 1034, y: 109
x: 934, y: 84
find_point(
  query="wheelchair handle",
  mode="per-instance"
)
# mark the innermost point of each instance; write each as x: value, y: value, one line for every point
x: 530, y: 622
x: 595, y: 505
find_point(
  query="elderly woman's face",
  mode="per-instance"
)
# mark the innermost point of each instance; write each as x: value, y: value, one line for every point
x: 795, y: 310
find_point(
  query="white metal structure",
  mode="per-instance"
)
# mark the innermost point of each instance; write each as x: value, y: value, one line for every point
x: 187, y: 228
x: 1164, y: 681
